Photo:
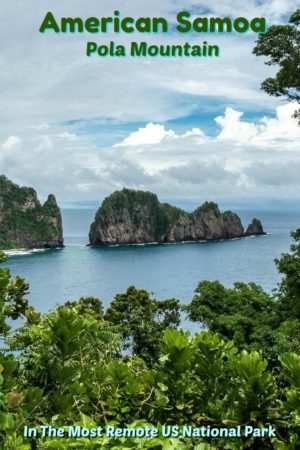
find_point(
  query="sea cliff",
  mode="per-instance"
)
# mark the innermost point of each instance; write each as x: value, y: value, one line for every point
x: 135, y: 217
x: 25, y: 222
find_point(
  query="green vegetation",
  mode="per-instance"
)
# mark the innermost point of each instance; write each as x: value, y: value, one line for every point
x: 289, y: 289
x: 142, y: 321
x: 139, y: 205
x: 281, y: 45
x: 24, y: 221
x: 240, y: 313
x: 68, y: 367
x: 251, y: 317
x: 134, y: 217
x: 209, y: 206
x: 247, y: 315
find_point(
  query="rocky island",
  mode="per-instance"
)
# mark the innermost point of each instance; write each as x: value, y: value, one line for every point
x: 135, y: 217
x: 25, y: 222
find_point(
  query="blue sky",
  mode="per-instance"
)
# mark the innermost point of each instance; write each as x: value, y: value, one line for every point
x: 188, y: 129
x: 109, y: 132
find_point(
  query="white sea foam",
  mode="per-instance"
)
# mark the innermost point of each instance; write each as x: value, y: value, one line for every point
x: 255, y: 236
x: 196, y: 241
x: 23, y: 251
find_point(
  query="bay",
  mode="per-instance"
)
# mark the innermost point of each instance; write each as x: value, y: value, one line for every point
x: 167, y: 271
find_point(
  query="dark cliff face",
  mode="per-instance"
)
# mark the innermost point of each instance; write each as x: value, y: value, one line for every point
x: 132, y: 217
x: 255, y: 228
x: 24, y: 222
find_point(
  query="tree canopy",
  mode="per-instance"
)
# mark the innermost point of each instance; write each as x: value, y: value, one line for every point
x: 251, y: 317
x: 66, y: 367
x: 281, y: 45
x: 289, y: 288
x: 142, y: 320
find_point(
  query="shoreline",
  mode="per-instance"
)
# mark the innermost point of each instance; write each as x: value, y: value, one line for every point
x: 29, y: 251
x: 194, y: 241
x: 26, y: 251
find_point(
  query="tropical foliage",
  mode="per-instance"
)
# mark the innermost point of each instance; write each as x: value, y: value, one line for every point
x: 24, y: 220
x: 131, y: 366
x: 281, y: 45
x: 142, y: 320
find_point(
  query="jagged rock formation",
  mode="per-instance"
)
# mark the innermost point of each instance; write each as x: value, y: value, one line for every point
x: 132, y: 217
x: 255, y: 228
x: 24, y: 222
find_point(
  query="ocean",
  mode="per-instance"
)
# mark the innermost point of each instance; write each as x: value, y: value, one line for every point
x: 168, y: 271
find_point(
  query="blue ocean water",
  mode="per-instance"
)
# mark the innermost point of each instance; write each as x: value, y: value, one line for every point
x: 167, y: 271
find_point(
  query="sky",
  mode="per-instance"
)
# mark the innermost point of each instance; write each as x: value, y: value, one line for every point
x: 188, y: 129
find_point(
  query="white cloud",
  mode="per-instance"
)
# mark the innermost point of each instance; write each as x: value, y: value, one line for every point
x: 69, y: 136
x: 45, y: 143
x: 268, y: 131
x: 41, y: 127
x: 12, y: 143
x: 281, y: 128
x: 153, y: 134
x: 193, y: 132
x: 58, y: 87
x: 58, y: 83
x: 244, y: 160
x: 149, y: 135
x: 233, y: 128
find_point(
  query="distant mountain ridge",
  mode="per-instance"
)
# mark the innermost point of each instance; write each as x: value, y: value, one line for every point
x: 24, y: 221
x: 133, y: 217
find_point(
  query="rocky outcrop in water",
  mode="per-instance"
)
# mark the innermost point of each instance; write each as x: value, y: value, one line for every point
x: 25, y: 222
x: 135, y: 217
x: 255, y: 228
